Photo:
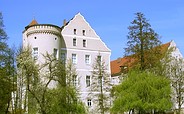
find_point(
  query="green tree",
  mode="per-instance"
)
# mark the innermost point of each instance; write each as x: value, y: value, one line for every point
x: 6, y: 70
x: 67, y: 100
x: 100, y: 86
x: 39, y: 83
x: 27, y: 80
x: 144, y: 92
x: 143, y: 43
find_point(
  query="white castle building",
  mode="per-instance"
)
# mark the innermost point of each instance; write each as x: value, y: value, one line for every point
x: 75, y: 40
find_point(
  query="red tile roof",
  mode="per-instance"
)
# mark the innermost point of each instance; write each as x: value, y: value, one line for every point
x: 121, y: 62
x: 128, y: 61
x: 33, y: 22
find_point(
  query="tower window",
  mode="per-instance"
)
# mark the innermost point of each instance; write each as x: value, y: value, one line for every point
x: 74, y: 58
x: 55, y: 53
x: 74, y: 31
x: 34, y: 37
x: 35, y: 53
x: 84, y: 43
x: 83, y: 32
x: 74, y: 42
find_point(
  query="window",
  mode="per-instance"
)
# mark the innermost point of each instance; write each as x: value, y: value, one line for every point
x: 63, y: 57
x: 84, y: 43
x: 74, y: 58
x: 100, y: 80
x: 87, y: 80
x: 74, y: 42
x: 74, y: 31
x: 55, y: 54
x: 83, y: 32
x: 74, y: 80
x: 99, y: 58
x: 89, y: 102
x: 87, y: 59
x: 35, y: 53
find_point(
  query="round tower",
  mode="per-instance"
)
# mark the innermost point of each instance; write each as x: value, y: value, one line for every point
x: 42, y: 38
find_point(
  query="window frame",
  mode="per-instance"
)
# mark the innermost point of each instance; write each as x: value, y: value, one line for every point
x: 84, y: 32
x: 74, y: 42
x: 55, y: 53
x: 74, y: 80
x: 35, y: 53
x: 87, y: 59
x: 63, y: 56
x: 74, y: 58
x: 74, y: 31
x: 84, y: 43
x: 88, y: 80
x: 89, y: 102
x: 99, y: 58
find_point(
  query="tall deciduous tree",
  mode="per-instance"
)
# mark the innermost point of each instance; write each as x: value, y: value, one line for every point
x: 39, y: 83
x: 144, y: 92
x: 100, y: 86
x: 67, y: 101
x: 142, y: 42
x: 27, y: 80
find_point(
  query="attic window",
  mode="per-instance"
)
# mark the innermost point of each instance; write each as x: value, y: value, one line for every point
x: 34, y: 37
x: 74, y: 42
x: 84, y: 43
x: 83, y: 32
x: 74, y: 31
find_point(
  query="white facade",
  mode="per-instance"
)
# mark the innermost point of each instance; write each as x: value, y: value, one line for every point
x: 42, y: 38
x: 85, y: 45
x: 76, y: 40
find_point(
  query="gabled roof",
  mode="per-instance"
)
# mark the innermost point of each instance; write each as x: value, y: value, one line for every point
x: 79, y: 23
x: 116, y: 65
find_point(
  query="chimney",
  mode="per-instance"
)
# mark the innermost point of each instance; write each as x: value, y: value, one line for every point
x: 64, y: 22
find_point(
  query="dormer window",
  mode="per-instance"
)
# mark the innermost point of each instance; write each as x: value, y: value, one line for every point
x: 75, y: 31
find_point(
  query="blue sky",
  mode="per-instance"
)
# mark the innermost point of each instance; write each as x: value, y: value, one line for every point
x: 109, y: 18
